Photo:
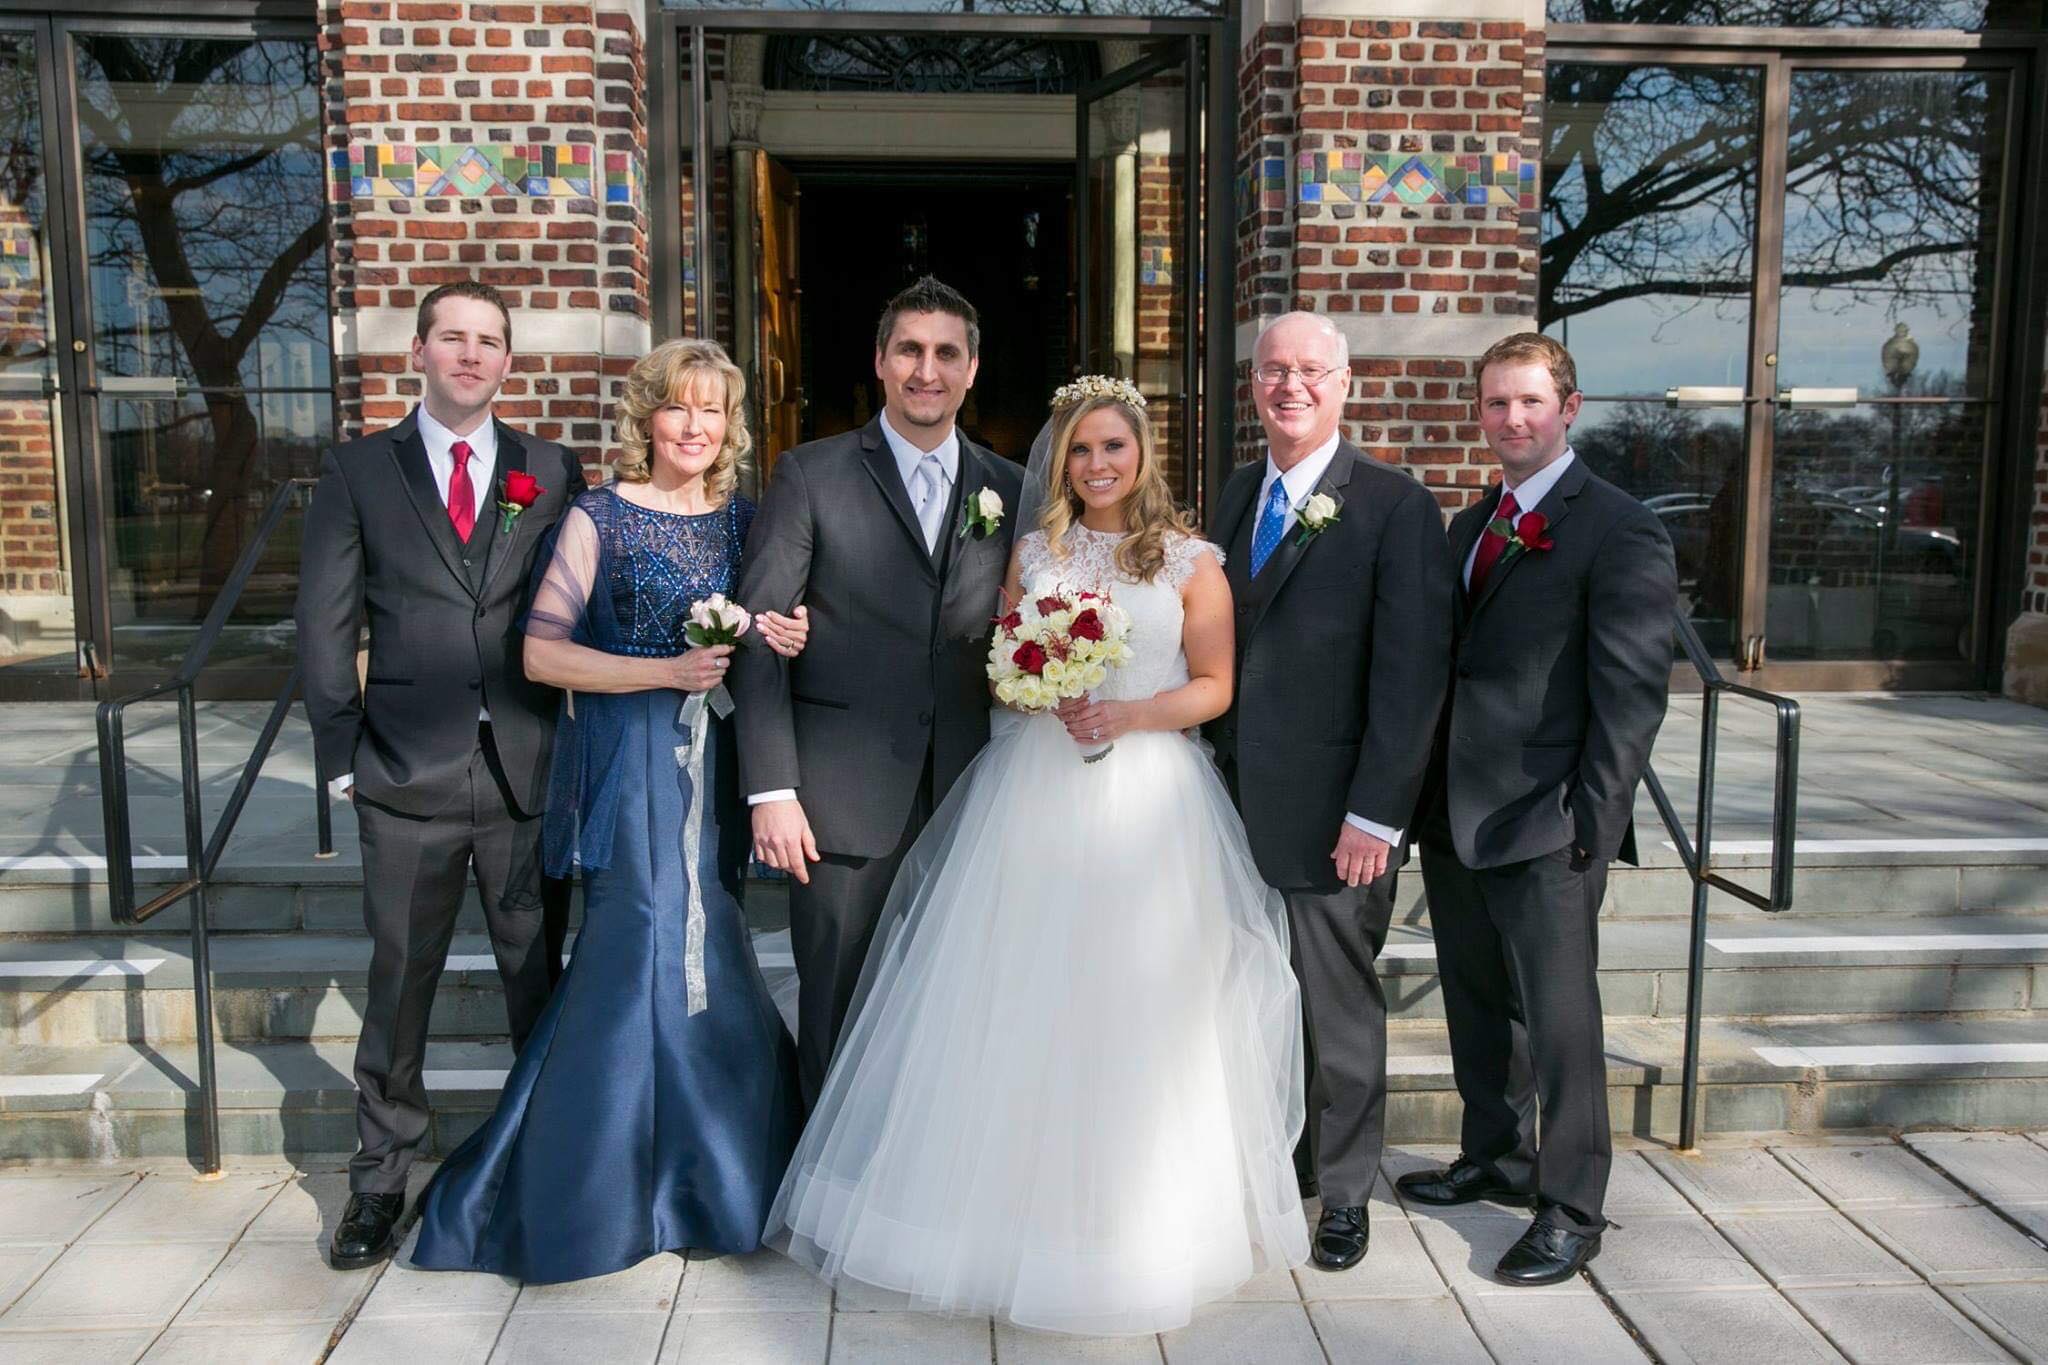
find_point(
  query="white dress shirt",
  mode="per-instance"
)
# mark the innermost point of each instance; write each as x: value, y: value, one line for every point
x: 908, y: 457
x: 483, y: 462
x: 1528, y: 498
x: 1301, y: 481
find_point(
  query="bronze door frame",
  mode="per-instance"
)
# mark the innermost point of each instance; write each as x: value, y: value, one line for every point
x: 2013, y: 386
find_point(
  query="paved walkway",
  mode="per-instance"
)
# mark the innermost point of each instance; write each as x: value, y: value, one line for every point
x: 1874, y: 770
x: 1925, y: 1250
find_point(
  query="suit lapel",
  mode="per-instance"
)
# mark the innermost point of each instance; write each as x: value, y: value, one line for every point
x: 1555, y: 507
x: 881, y: 466
x: 955, y: 540
x: 1292, y: 547
x: 512, y: 455
x: 409, y: 453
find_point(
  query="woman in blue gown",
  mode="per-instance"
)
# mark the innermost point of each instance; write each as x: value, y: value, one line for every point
x: 655, y: 1105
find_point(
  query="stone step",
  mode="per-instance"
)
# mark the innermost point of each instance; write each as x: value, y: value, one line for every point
x: 273, y: 885
x: 120, y: 1101
x: 295, y: 987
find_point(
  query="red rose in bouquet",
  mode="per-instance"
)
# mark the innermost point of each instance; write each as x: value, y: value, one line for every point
x: 1030, y: 656
x: 1086, y: 626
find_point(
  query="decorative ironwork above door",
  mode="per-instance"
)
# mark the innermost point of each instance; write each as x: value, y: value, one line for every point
x: 949, y: 64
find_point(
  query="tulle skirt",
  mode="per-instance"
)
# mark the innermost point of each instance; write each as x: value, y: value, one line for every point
x: 1070, y: 1087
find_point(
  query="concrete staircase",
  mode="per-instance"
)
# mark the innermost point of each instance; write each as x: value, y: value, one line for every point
x: 1907, y: 988
x: 1825, y: 1018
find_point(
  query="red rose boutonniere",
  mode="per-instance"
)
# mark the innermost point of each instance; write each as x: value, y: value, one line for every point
x: 521, y: 490
x: 1522, y: 536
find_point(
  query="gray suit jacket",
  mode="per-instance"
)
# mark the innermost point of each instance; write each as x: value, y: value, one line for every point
x: 1562, y: 669
x: 444, y: 617
x: 1343, y: 644
x: 896, y: 666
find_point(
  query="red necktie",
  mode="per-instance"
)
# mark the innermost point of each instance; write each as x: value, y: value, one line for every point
x: 461, y: 497
x: 1491, y: 545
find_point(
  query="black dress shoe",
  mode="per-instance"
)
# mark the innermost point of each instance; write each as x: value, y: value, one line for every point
x: 1546, y: 1254
x: 1462, y: 1182
x: 1341, y: 1238
x: 368, y: 1231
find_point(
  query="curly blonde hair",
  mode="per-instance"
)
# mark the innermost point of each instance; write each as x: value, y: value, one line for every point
x: 666, y: 373
x: 1150, y: 512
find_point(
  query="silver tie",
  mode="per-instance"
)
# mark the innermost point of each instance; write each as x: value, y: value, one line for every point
x: 928, y: 491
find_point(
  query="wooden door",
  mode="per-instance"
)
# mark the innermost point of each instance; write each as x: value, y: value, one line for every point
x: 775, y: 215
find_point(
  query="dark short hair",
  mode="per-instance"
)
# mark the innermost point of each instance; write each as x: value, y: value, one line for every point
x: 929, y: 295
x: 462, y: 289
x: 1533, y: 348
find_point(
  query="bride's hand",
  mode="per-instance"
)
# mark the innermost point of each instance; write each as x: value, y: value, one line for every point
x: 786, y: 635
x: 1097, y: 722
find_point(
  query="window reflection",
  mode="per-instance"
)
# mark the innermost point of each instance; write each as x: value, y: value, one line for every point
x: 205, y: 240
x: 1972, y: 16
x: 1649, y: 215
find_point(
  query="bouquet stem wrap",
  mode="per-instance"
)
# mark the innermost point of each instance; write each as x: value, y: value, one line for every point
x: 695, y: 717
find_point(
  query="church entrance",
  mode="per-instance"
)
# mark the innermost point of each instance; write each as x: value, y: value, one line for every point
x: 1001, y: 236
x: 1056, y: 175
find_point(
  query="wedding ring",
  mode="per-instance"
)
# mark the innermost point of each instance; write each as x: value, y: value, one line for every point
x: 1095, y: 734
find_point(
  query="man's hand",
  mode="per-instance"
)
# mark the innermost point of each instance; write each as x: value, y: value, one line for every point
x: 348, y: 793
x: 1360, y: 857
x: 782, y: 838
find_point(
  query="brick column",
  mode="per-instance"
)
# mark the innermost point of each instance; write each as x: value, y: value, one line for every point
x: 1397, y: 144
x: 497, y: 142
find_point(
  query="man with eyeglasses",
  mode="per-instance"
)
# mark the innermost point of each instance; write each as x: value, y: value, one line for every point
x: 1343, y: 588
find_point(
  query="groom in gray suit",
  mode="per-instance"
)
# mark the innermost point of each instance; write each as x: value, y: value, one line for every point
x: 444, y: 746
x: 1342, y: 587
x: 885, y: 535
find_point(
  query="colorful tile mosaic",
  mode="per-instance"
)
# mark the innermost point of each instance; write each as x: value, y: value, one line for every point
x: 389, y: 170
x: 1503, y: 180
x: 18, y: 254
x: 1155, y: 265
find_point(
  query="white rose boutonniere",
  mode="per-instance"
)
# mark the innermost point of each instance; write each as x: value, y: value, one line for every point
x: 982, y: 514
x: 1318, y: 515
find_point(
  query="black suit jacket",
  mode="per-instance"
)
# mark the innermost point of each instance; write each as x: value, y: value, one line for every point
x: 896, y: 665
x: 444, y: 618
x: 1343, y: 644
x: 1563, y: 664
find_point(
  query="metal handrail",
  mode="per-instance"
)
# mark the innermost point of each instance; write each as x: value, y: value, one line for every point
x: 202, y: 854
x: 1697, y: 854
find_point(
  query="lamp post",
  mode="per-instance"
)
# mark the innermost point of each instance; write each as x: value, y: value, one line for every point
x: 1899, y: 355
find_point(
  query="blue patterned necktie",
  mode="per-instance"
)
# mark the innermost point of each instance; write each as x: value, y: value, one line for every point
x: 1272, y: 525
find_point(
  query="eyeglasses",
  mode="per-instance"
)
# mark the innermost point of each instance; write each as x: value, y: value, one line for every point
x: 1275, y: 375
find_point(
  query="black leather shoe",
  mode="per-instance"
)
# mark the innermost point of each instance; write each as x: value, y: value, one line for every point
x: 1464, y: 1181
x: 368, y: 1231
x: 1341, y: 1238
x: 1546, y: 1254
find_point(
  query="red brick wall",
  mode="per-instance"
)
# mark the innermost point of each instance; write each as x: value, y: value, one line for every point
x: 494, y: 142
x: 31, y: 543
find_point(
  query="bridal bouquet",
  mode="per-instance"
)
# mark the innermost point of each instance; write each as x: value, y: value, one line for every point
x: 1056, y: 647
x: 715, y: 621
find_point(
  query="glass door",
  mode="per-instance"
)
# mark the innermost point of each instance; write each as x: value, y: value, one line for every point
x: 46, y: 648
x: 1137, y: 208
x: 1781, y: 279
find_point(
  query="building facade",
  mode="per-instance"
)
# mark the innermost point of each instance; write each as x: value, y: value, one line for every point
x: 1796, y: 245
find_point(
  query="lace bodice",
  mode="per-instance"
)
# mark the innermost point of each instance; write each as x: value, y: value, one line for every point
x: 654, y: 564
x: 1158, y: 663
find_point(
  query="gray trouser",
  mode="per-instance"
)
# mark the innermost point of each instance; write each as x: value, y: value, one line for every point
x: 1336, y: 935
x: 1518, y: 952
x: 415, y: 869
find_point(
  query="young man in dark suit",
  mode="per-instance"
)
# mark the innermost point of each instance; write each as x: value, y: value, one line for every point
x: 846, y: 750
x: 444, y: 746
x: 1561, y: 665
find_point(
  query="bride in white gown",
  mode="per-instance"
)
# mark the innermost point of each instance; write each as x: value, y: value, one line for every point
x: 1071, y: 1082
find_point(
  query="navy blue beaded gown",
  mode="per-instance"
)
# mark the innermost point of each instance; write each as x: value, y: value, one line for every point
x: 629, y: 1124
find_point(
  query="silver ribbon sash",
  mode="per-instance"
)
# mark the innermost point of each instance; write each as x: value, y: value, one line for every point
x: 695, y: 716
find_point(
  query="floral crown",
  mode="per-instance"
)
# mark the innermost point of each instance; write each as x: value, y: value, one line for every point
x: 1091, y: 386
